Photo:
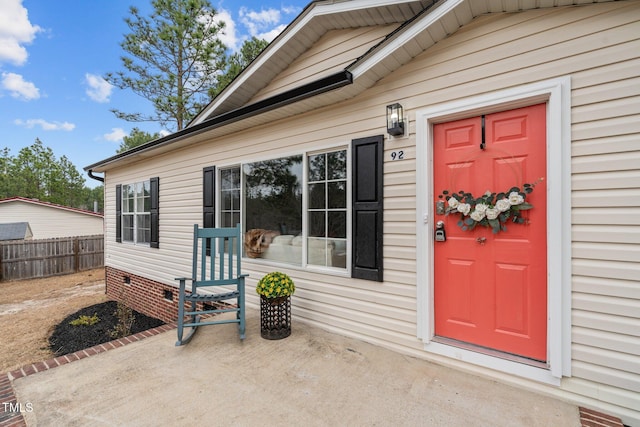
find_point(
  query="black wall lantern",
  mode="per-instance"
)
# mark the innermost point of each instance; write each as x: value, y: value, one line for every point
x: 395, y: 119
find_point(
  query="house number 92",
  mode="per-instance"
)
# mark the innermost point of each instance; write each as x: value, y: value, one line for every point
x: 397, y: 155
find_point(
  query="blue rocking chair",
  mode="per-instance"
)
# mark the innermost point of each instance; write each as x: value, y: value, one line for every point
x: 216, y: 271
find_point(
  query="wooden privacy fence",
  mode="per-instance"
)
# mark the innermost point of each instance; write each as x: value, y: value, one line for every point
x: 50, y: 257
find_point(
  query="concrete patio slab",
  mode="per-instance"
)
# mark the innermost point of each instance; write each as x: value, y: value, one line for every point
x: 311, y: 378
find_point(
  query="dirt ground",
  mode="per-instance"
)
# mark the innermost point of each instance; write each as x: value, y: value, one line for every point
x: 30, y: 310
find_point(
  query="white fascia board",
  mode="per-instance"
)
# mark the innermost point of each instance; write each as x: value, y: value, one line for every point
x: 404, y: 36
x: 333, y: 7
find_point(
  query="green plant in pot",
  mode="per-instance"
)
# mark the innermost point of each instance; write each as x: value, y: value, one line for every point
x: 275, y: 285
x: 275, y: 290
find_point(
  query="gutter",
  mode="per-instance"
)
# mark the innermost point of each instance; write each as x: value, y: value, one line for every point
x: 91, y: 175
x: 326, y: 84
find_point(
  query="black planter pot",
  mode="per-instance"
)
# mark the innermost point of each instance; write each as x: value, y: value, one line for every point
x: 275, y: 317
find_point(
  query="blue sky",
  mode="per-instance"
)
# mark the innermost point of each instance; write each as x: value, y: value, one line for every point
x: 53, y: 55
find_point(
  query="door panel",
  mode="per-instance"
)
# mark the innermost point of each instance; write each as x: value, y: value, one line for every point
x: 491, y: 289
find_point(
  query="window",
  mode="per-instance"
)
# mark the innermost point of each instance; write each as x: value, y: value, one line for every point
x: 327, y: 209
x: 322, y: 209
x: 229, y: 197
x: 137, y: 212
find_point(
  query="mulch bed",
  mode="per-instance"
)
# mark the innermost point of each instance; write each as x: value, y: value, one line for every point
x: 67, y: 338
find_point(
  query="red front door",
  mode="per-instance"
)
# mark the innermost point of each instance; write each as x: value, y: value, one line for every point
x: 490, y: 289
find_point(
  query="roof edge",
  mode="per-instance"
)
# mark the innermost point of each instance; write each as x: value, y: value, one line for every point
x: 326, y: 84
x: 50, y: 205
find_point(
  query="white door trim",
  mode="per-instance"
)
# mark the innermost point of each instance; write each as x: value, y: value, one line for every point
x: 557, y: 94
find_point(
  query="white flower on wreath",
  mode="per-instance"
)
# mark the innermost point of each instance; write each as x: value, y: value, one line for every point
x: 477, y: 215
x: 492, y: 213
x: 464, y: 208
x: 481, y: 207
x: 453, y: 203
x: 503, y: 205
x: 515, y: 198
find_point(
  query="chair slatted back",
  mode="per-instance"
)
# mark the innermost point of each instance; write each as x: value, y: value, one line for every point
x: 216, y: 256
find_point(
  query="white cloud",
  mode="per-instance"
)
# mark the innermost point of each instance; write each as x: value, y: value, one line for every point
x: 45, y: 125
x: 116, y: 135
x: 263, y: 24
x: 228, y: 36
x: 15, y: 32
x: 98, y: 88
x: 270, y: 35
x: 19, y: 88
x: 259, y: 22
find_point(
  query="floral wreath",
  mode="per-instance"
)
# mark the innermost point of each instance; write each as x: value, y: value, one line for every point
x: 491, y: 209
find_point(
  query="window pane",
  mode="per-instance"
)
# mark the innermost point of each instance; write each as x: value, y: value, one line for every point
x: 273, y: 207
x: 226, y: 179
x: 144, y: 236
x: 225, y: 219
x: 337, y: 224
x: 337, y: 165
x: 227, y: 198
x: 146, y: 188
x: 317, y: 167
x: 143, y: 227
x: 127, y: 228
x: 317, y: 252
x: 274, y: 193
x: 337, y: 195
x: 236, y: 200
x: 316, y: 196
x: 316, y: 224
x: 337, y: 253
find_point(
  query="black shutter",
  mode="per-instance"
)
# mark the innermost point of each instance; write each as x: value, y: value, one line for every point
x: 209, y: 200
x: 209, y: 197
x: 119, y: 213
x: 366, y: 260
x: 155, y: 212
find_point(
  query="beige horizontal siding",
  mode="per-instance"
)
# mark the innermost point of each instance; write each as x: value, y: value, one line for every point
x: 333, y: 52
x: 608, y: 215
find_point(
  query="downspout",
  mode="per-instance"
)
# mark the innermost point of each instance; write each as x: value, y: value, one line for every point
x: 97, y: 178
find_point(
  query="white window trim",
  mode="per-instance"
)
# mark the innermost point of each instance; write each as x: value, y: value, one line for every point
x: 557, y: 94
x: 134, y: 215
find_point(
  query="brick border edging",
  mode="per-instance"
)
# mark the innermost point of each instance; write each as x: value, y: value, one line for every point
x: 591, y: 418
x: 7, y: 393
